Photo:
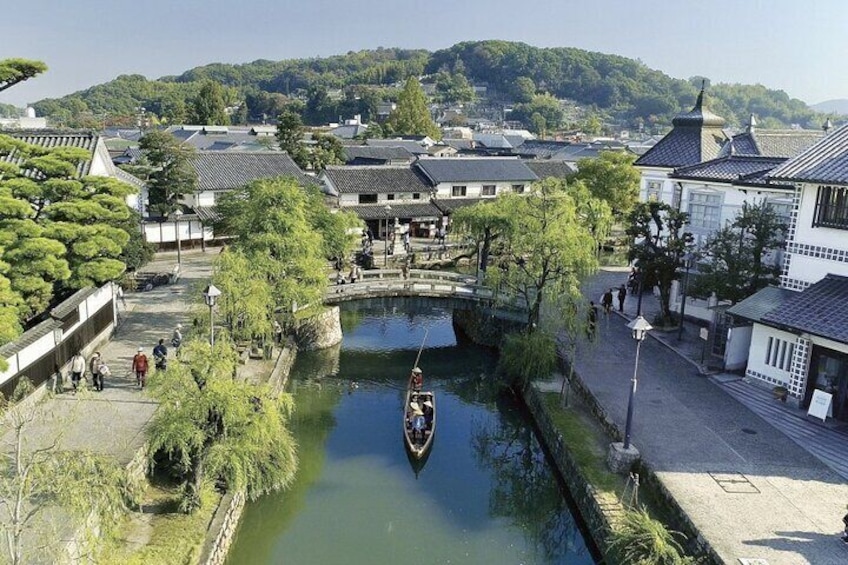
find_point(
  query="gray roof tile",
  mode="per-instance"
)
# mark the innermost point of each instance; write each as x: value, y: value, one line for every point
x: 772, y: 143
x: 414, y: 147
x: 728, y: 168
x: 551, y: 168
x: 820, y: 309
x: 398, y: 210
x: 52, y: 139
x: 761, y: 303
x: 454, y: 169
x: 224, y: 170
x: 380, y: 179
x: 392, y: 153
x: 824, y: 162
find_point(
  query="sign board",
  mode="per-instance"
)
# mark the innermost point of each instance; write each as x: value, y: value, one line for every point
x: 820, y: 405
x: 705, y: 334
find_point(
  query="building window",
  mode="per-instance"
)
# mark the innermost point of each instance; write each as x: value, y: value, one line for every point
x: 488, y: 190
x: 705, y: 210
x: 518, y: 188
x: 782, y: 208
x: 390, y: 197
x: 458, y: 191
x: 779, y: 353
x: 831, y: 208
x: 654, y: 190
x: 416, y: 196
x: 367, y: 198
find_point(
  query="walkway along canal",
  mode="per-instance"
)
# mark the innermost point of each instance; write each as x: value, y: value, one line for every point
x: 486, y: 494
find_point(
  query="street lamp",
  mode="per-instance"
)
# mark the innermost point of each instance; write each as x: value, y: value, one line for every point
x: 687, y: 264
x: 639, y: 330
x: 386, y: 240
x: 178, y: 213
x: 210, y: 295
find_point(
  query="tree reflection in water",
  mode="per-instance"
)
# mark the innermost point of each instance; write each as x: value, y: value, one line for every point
x: 525, y: 490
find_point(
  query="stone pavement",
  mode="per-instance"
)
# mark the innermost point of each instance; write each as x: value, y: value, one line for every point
x: 112, y: 421
x: 751, y: 491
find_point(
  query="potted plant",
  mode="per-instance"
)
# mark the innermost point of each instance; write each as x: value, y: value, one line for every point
x: 780, y: 393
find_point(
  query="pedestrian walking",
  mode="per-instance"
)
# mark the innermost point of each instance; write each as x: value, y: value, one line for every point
x: 606, y: 301
x: 160, y: 356
x: 93, y: 366
x: 177, y: 337
x: 592, y: 321
x: 119, y: 292
x: 140, y: 366
x: 100, y: 377
x: 278, y: 332
x: 354, y: 273
x: 57, y: 380
x: 77, y: 369
x: 622, y: 294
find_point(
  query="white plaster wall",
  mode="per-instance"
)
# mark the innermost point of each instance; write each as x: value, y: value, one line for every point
x: 813, y: 269
x: 805, y: 233
x: 736, y: 349
x: 650, y: 175
x: 759, y: 344
x: 475, y: 189
x: 166, y: 233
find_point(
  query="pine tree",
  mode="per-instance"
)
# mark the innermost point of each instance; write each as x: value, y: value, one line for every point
x: 411, y: 117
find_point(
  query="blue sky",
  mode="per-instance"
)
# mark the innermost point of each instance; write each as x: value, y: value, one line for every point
x: 791, y: 45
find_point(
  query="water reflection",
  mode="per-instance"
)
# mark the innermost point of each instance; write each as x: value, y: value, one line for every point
x: 484, y: 495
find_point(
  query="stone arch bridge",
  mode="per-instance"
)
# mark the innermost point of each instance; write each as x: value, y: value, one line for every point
x: 451, y: 290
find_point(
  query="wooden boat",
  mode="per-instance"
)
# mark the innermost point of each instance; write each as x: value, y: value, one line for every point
x: 419, y: 429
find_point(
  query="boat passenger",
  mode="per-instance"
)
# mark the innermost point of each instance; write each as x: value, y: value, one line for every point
x: 428, y: 413
x: 416, y: 379
x: 417, y: 420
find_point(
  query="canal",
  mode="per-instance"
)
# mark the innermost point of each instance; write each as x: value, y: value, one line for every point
x: 486, y: 494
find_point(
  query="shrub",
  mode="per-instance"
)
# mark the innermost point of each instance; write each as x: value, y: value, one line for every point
x: 640, y: 540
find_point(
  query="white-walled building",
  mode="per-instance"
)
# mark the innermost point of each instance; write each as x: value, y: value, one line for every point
x: 799, y: 336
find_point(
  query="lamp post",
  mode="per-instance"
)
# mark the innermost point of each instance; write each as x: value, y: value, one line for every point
x: 639, y: 330
x: 386, y: 240
x: 178, y: 213
x: 210, y: 295
x: 687, y: 264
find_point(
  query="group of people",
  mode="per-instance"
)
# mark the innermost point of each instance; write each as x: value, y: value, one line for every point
x: 607, y: 305
x: 419, y: 415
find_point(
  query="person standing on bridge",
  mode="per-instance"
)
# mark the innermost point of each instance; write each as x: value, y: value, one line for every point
x: 354, y: 273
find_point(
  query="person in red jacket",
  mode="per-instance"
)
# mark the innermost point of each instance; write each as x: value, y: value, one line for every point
x: 139, y: 367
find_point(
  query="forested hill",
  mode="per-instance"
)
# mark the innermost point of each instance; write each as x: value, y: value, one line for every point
x: 614, y: 89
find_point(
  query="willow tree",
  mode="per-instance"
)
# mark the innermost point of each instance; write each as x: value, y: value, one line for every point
x: 286, y: 233
x: 546, y: 249
x: 213, y: 427
x: 485, y: 222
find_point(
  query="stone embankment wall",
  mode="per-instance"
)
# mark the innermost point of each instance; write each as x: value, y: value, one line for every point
x: 222, y: 529
x: 597, y: 510
x: 319, y: 331
x: 481, y: 328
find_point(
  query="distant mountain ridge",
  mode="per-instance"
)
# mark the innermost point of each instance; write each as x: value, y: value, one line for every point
x: 615, y: 89
x: 837, y: 106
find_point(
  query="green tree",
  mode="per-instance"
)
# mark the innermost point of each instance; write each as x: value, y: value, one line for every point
x: 523, y: 90
x: 453, y: 88
x: 272, y: 224
x: 658, y: 245
x: 15, y: 71
x: 171, y: 176
x: 736, y: 257
x: 290, y: 137
x: 485, y: 222
x: 41, y: 480
x: 412, y: 117
x: 327, y: 150
x: 612, y: 178
x: 548, y: 108
x: 545, y: 251
x: 247, y: 296
x: 208, y: 107
x: 216, y: 428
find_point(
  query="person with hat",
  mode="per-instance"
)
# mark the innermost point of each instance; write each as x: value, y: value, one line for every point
x: 427, y: 407
x: 93, y: 366
x: 139, y: 367
x: 417, y: 419
x: 416, y: 379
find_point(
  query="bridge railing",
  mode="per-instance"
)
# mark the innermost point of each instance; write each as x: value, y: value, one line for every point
x: 421, y: 282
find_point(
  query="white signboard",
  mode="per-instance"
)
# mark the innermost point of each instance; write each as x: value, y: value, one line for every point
x: 705, y: 334
x: 820, y: 405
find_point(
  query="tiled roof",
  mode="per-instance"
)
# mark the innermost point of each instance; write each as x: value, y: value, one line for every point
x: 393, y: 153
x: 820, y: 309
x: 728, y: 168
x: 551, y: 168
x: 542, y: 149
x: 696, y: 137
x: 448, y: 205
x: 455, y: 169
x: 52, y: 139
x: 206, y: 214
x: 398, y: 210
x: 824, y: 162
x: 377, y: 179
x: 223, y: 170
x: 684, y: 146
x: 413, y: 147
x: 761, y: 303
x: 459, y: 144
x: 772, y: 143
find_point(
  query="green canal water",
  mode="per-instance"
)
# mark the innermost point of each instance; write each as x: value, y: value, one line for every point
x: 486, y: 494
